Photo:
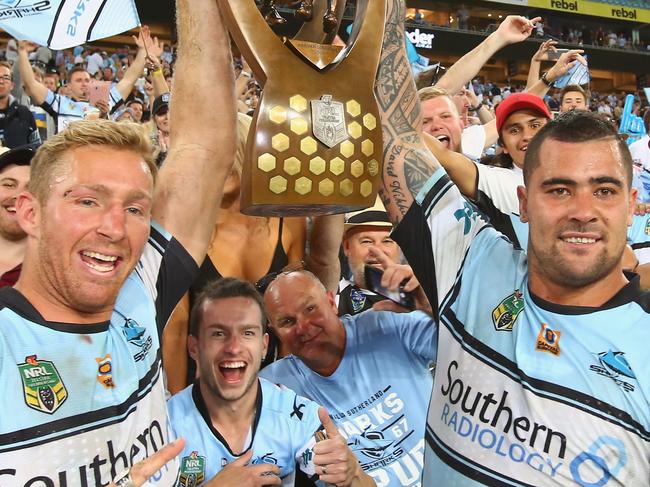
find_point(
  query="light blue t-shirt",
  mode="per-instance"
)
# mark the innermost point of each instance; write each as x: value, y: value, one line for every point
x: 526, y: 392
x: 66, y: 110
x: 282, y: 434
x: 379, y: 393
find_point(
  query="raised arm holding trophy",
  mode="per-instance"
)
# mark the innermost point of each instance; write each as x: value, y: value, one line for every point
x: 317, y: 143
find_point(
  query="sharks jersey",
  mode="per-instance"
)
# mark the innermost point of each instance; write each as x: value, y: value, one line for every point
x: 526, y: 392
x: 282, y: 434
x: 379, y: 393
x: 65, y: 110
x: 81, y: 403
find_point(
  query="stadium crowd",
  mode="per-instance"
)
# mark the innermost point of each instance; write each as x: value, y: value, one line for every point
x: 152, y: 334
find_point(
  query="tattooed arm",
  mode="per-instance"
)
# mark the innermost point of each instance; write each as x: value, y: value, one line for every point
x: 408, y: 164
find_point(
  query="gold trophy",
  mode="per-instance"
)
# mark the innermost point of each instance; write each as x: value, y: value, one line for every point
x: 315, y: 145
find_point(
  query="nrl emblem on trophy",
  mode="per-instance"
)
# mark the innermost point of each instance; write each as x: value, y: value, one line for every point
x: 315, y: 143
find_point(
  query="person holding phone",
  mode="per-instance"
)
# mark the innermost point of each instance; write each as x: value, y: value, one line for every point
x: 367, y: 243
x: 78, y: 105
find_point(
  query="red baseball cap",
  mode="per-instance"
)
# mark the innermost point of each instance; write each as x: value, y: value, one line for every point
x: 520, y: 101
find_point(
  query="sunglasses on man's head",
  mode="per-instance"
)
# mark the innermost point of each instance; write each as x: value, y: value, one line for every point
x: 265, y: 281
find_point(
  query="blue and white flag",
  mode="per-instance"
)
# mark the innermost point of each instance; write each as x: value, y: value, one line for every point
x: 61, y: 24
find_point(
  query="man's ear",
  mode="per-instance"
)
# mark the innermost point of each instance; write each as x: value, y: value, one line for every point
x: 193, y: 348
x: 28, y: 213
x: 523, y: 203
x: 634, y: 193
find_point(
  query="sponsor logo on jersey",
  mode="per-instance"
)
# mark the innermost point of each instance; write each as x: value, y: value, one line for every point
x: 192, y: 470
x: 43, y: 387
x: 548, y: 340
x: 105, y: 371
x: 358, y: 299
x: 615, y: 366
x: 137, y: 336
x: 306, y: 457
x: 16, y: 9
x: 507, y: 311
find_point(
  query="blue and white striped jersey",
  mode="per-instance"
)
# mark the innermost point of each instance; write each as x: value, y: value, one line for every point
x: 80, y: 403
x: 526, y: 392
x: 282, y: 434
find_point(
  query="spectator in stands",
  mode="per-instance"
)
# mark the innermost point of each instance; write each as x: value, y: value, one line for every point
x: 67, y: 109
x: 50, y: 82
x: 17, y: 124
x: 137, y: 105
x: 94, y: 62
x: 462, y: 14
x: 379, y: 359
x: 161, y: 126
x: 367, y: 242
x: 640, y: 149
x: 573, y: 97
x: 14, y: 176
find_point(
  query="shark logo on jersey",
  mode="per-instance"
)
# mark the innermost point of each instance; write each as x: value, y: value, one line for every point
x: 192, y: 470
x: 615, y: 366
x: 137, y: 335
x: 105, y: 371
x: 548, y: 340
x: 43, y: 387
x: 266, y: 458
x: 506, y: 313
x: 358, y: 300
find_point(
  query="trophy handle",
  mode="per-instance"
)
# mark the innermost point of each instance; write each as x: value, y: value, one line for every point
x: 267, y: 51
x: 313, y: 31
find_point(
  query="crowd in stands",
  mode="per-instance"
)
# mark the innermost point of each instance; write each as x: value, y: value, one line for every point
x: 489, y: 325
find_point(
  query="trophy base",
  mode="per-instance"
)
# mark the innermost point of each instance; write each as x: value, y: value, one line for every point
x: 297, y: 210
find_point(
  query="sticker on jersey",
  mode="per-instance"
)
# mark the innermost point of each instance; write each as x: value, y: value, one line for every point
x: 506, y: 313
x: 358, y: 300
x: 548, y: 340
x: 615, y: 366
x: 105, y: 371
x: 137, y: 335
x: 647, y: 227
x: 43, y: 387
x: 192, y: 470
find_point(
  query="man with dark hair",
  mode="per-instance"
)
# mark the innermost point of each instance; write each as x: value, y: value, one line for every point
x: 238, y: 425
x: 14, y: 176
x: 573, y: 97
x: 67, y: 109
x: 542, y: 356
x: 17, y: 124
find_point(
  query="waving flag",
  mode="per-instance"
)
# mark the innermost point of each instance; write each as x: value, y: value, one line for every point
x: 60, y: 24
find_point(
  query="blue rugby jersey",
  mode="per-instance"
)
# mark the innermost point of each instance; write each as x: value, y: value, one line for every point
x: 80, y: 403
x: 379, y: 393
x: 282, y: 434
x: 526, y: 392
